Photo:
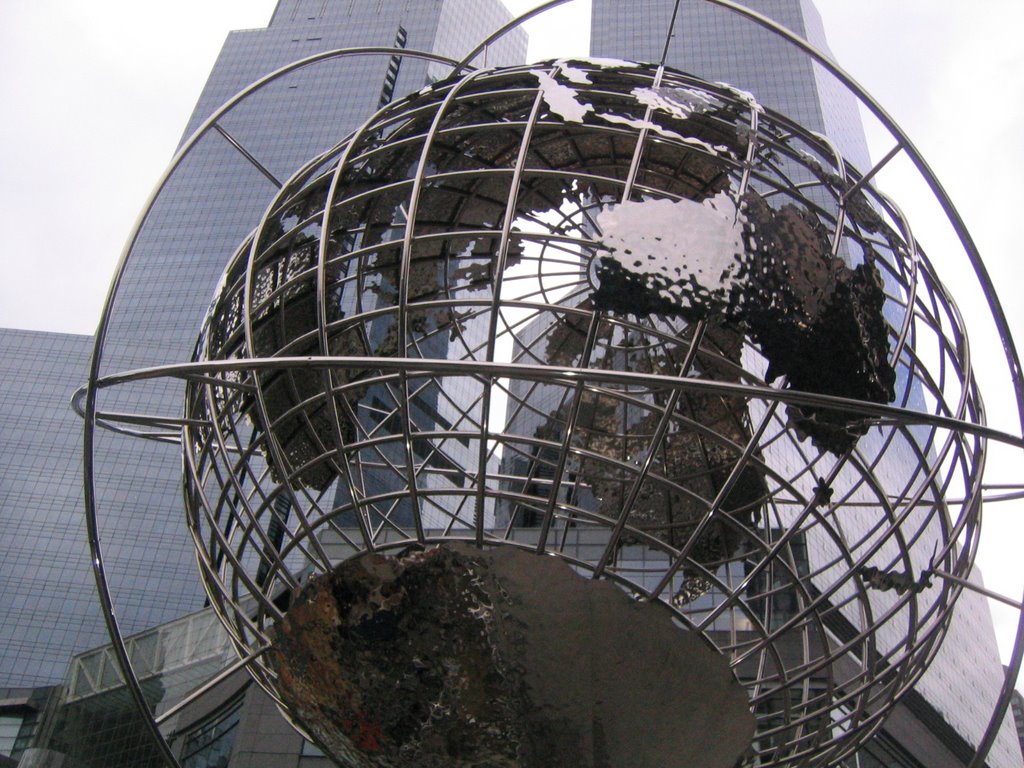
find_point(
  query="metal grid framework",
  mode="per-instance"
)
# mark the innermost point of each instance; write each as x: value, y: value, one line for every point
x: 411, y: 349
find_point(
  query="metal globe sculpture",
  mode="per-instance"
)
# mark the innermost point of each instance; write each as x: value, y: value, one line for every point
x: 603, y: 313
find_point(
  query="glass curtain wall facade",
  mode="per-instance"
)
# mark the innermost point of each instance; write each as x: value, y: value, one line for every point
x: 206, y: 209
x: 48, y: 601
x: 719, y: 45
x: 209, y: 206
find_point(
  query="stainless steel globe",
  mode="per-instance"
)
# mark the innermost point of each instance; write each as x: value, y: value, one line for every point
x: 610, y: 313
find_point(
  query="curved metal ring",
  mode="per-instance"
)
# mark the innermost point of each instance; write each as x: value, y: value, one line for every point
x: 95, y: 382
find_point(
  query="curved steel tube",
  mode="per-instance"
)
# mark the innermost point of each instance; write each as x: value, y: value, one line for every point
x: 95, y: 382
x: 981, y: 272
x: 89, y: 406
x: 568, y: 375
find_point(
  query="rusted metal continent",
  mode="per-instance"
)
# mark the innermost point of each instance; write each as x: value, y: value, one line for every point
x: 818, y: 321
x: 459, y: 657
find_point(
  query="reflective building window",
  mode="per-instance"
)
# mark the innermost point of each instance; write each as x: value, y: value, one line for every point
x: 209, y: 745
x: 10, y: 725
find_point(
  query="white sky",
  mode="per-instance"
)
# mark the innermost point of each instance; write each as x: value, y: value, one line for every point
x: 96, y: 94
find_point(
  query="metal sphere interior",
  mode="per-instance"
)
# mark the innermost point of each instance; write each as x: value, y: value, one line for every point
x: 615, y: 314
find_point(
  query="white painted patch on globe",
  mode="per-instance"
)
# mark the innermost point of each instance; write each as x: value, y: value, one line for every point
x: 678, y: 245
x: 745, y: 96
x: 649, y: 125
x: 561, y: 99
x: 574, y: 74
x: 567, y: 101
x: 678, y: 102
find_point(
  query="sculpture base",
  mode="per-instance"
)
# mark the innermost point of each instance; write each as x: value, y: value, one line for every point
x: 459, y: 657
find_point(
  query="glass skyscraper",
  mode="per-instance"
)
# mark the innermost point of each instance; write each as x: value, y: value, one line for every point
x: 718, y: 45
x: 205, y: 212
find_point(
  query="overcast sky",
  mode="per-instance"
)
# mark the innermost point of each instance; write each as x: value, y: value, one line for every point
x: 96, y: 94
